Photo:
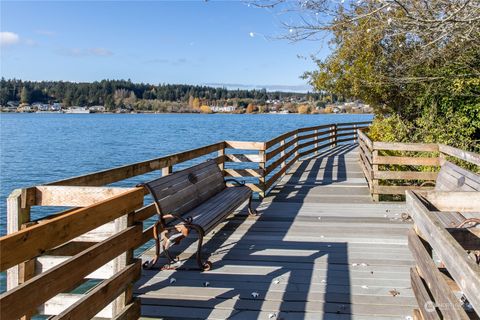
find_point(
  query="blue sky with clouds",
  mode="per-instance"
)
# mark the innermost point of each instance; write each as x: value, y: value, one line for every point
x: 193, y: 42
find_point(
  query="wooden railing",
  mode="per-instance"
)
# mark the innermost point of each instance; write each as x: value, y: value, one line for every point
x: 92, y: 243
x: 446, y: 275
x: 282, y: 152
x: 391, y: 168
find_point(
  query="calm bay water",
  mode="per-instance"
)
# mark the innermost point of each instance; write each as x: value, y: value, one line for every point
x: 40, y: 148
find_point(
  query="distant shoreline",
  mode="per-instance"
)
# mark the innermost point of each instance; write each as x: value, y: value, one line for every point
x: 199, y: 113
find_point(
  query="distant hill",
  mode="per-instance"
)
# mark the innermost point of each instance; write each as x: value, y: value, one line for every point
x: 119, y: 93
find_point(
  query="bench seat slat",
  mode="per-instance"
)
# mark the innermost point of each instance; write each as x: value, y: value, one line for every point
x: 217, y: 208
x: 192, y: 195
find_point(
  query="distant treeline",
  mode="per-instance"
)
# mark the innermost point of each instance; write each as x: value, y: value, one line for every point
x: 123, y: 93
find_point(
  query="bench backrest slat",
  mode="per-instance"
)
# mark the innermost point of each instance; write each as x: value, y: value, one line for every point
x: 453, y: 178
x: 178, y: 192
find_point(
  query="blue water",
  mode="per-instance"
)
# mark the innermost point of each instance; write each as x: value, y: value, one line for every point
x: 40, y: 148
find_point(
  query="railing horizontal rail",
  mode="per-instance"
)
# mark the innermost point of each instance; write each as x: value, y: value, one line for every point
x: 105, y: 177
x: 400, y: 146
x: 389, y: 166
x: 44, y: 236
x: 431, y: 233
x: 99, y: 297
x: 417, y: 161
x: 16, y: 302
x: 470, y: 157
x: 405, y: 175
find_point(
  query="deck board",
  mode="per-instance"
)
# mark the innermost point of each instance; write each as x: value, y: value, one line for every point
x: 320, y: 248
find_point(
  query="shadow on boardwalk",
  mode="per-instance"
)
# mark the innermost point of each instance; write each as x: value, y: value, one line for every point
x: 272, y: 266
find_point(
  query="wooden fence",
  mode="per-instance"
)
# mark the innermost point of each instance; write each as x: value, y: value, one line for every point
x: 92, y: 243
x: 446, y: 277
x: 391, y: 168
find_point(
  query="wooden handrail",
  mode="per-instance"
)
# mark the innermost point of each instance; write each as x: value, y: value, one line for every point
x: 467, y: 156
x: 387, y: 164
x: 431, y: 232
x: 108, y: 176
x: 41, y: 237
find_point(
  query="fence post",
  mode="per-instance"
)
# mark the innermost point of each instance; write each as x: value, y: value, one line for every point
x: 375, y: 184
x: 262, y: 178
x: 18, y: 217
x: 316, y: 141
x: 333, y: 135
x: 295, y: 136
x: 221, y: 165
x: 18, y: 214
x: 282, y: 153
x: 355, y: 134
x: 166, y: 171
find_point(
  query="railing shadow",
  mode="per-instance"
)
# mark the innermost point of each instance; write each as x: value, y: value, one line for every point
x: 266, y: 267
x: 297, y: 186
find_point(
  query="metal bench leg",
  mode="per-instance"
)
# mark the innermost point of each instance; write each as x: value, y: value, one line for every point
x: 251, y: 211
x: 150, y: 264
x: 207, y: 265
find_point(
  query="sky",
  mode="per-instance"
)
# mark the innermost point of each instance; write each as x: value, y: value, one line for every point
x: 221, y: 43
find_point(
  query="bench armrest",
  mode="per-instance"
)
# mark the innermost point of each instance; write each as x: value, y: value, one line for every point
x: 235, y: 182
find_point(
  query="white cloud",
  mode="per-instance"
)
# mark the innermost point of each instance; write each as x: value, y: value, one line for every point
x: 8, y: 38
x: 100, y: 52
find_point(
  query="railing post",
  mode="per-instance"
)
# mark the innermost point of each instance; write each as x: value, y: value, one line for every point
x: 166, y: 171
x: 221, y: 165
x: 375, y: 184
x: 18, y: 217
x: 18, y: 214
x: 316, y: 141
x: 282, y: 153
x: 262, y: 178
x: 335, y: 138
x: 355, y: 134
x: 295, y: 136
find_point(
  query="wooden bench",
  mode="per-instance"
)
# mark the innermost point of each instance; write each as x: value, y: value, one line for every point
x: 196, y: 198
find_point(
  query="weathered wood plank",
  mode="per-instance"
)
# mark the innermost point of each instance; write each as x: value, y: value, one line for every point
x: 400, y: 146
x: 460, y: 154
x: 245, y: 145
x: 362, y: 136
x: 454, y: 200
x: 404, y: 175
x: 73, y: 196
x: 279, y: 138
x: 448, y: 303
x: 243, y: 172
x: 463, y: 269
x: 416, y: 161
x: 398, y: 189
x: 100, y: 296
x: 18, y: 213
x: 45, y: 263
x: 131, y: 311
x: 422, y: 296
x: 18, y: 301
x: 62, y: 301
x: 33, y: 241
x: 108, y: 176
x: 237, y: 157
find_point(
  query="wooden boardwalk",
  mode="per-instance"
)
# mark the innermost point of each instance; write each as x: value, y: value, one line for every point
x: 319, y: 249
